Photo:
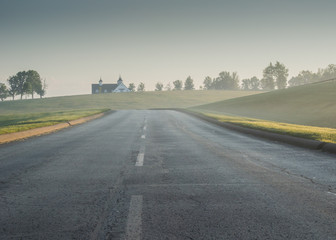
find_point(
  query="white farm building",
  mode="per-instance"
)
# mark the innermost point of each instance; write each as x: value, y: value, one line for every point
x: 109, y: 87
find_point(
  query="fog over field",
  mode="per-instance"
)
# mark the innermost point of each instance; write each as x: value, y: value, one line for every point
x: 74, y: 43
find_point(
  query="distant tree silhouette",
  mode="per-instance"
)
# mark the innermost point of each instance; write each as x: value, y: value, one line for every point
x: 158, y: 86
x: 141, y: 87
x: 178, y: 85
x: 189, y: 84
x: 274, y: 75
x: 208, y: 83
x: 250, y: 84
x: 3, y: 91
x: 131, y: 87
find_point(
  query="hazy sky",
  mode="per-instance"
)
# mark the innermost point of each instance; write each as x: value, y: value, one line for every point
x: 72, y: 43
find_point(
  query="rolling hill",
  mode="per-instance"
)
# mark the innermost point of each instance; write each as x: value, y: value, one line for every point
x: 312, y: 104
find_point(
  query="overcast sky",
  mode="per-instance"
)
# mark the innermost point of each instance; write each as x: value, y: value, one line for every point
x: 72, y: 43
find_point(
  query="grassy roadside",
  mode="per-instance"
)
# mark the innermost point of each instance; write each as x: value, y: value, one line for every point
x: 12, y: 123
x: 316, y: 133
x: 310, y: 105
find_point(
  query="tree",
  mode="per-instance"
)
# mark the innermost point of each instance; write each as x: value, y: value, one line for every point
x: 22, y: 83
x: 43, y: 89
x: 26, y: 82
x: 246, y: 84
x: 251, y: 84
x: 33, y: 83
x: 274, y: 75
x: 280, y: 74
x: 158, y: 86
x: 226, y: 81
x: 131, y: 87
x: 168, y: 87
x: 268, y: 81
x: 3, y: 91
x: 255, y: 83
x: 207, y: 83
x: 141, y: 87
x: 189, y: 84
x: 178, y: 84
x: 234, y: 83
x: 13, y: 86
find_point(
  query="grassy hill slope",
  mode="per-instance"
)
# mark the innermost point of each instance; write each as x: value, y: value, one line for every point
x: 313, y: 104
x: 137, y: 100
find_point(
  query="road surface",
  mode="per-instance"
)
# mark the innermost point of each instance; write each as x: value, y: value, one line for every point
x: 163, y: 175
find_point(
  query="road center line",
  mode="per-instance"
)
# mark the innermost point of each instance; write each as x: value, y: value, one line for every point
x: 145, y: 128
x: 134, y: 221
x: 140, y: 160
x: 332, y: 193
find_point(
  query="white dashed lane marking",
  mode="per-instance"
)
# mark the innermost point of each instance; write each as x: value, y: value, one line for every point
x: 134, y: 221
x: 331, y: 193
x: 141, y: 156
x: 140, y: 160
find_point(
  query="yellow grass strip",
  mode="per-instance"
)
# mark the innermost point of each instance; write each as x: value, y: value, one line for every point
x: 23, y: 122
x: 310, y: 132
x: 15, y: 136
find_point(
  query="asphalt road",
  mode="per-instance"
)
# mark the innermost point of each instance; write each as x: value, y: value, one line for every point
x: 163, y: 175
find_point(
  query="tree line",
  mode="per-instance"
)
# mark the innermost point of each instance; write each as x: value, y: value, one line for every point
x: 140, y: 88
x: 305, y: 77
x: 23, y: 83
x: 178, y: 85
x: 275, y: 76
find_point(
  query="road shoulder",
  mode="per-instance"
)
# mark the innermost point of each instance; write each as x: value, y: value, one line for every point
x: 296, y: 141
x: 11, y: 137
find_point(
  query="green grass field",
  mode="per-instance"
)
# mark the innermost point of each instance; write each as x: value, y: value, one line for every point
x: 21, y: 122
x: 311, y: 105
x: 22, y: 115
x: 118, y: 101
